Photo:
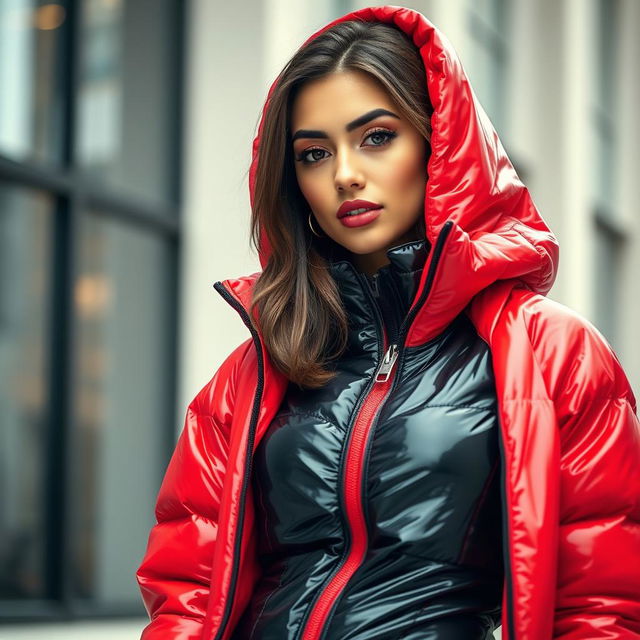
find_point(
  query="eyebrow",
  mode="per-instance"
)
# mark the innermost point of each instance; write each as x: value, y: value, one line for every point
x: 354, y: 124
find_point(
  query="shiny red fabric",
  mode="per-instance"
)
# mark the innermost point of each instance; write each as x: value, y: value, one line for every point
x: 568, y: 416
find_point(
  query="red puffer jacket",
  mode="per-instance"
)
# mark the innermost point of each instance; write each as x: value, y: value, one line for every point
x: 569, y: 432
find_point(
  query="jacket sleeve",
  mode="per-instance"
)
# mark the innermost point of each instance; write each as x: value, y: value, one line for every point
x: 598, y: 588
x: 174, y: 576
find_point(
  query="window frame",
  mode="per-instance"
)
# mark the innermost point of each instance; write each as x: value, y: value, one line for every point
x: 76, y: 196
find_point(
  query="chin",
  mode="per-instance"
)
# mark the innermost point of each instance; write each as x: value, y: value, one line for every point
x: 367, y: 243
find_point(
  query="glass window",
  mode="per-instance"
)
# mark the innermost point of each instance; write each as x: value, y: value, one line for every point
x: 126, y: 106
x: 25, y: 229
x: 121, y: 331
x: 89, y: 190
x: 31, y: 117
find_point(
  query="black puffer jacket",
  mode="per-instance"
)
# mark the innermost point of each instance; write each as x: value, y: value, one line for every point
x: 433, y: 561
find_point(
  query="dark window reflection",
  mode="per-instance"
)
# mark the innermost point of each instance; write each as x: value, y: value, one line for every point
x: 88, y: 167
x: 126, y: 95
x: 119, y: 402
x: 25, y: 222
x: 31, y: 117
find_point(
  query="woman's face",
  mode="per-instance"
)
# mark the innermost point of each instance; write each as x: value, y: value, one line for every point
x: 381, y: 159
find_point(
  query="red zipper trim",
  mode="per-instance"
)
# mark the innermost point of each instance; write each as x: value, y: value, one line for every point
x: 353, y: 502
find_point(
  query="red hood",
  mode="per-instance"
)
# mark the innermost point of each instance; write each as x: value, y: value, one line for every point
x: 497, y: 232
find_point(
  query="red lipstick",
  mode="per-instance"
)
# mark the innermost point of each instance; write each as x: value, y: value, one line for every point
x: 355, y: 213
x: 352, y: 205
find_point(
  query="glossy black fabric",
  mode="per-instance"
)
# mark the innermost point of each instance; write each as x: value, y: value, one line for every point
x: 433, y: 568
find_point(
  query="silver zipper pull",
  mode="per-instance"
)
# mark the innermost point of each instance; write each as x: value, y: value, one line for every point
x: 386, y: 365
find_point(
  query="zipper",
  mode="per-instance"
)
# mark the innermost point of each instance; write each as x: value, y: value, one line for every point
x: 255, y: 412
x: 386, y: 365
x: 318, y: 615
x: 387, y: 305
x: 324, y: 603
x: 379, y: 324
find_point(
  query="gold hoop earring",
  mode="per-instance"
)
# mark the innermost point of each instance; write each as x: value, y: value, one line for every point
x: 312, y: 229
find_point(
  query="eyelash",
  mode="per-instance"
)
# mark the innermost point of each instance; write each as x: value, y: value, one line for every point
x: 389, y: 136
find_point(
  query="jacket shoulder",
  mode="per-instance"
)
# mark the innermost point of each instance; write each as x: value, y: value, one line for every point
x: 220, y: 389
x: 574, y: 356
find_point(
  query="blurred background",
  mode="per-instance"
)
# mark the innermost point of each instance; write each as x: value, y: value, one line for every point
x: 125, y: 143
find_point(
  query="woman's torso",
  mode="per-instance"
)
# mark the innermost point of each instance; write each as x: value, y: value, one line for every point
x: 430, y: 489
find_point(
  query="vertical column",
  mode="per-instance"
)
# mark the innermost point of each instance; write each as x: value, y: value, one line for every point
x: 451, y: 18
x: 534, y: 98
x: 576, y: 151
x: 628, y: 161
x: 223, y: 96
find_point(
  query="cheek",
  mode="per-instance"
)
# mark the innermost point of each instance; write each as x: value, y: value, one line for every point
x: 408, y: 172
x: 312, y: 191
x: 407, y: 181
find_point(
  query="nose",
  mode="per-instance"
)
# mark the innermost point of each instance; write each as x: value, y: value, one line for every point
x: 347, y: 174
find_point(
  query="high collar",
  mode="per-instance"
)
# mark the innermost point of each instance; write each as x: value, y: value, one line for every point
x: 391, y: 288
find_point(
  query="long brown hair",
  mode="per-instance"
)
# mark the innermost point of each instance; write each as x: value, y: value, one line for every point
x: 299, y: 309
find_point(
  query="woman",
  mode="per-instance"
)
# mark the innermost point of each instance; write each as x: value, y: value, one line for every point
x: 415, y: 442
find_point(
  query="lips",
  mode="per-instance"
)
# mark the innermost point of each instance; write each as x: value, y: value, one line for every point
x: 353, y: 207
x: 360, y: 219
